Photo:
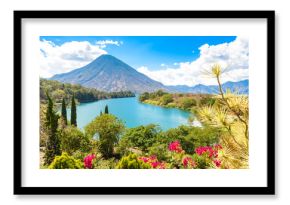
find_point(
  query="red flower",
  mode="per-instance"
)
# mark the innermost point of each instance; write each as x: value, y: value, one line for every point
x: 188, y: 162
x: 88, y: 161
x: 175, y: 147
x: 153, y: 162
x: 217, y: 162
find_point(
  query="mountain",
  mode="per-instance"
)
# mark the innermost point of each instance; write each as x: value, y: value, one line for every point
x: 242, y: 87
x: 107, y: 73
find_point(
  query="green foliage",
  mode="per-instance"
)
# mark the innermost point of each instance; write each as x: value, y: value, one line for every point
x: 73, y: 118
x: 72, y: 139
x: 52, y: 148
x: 63, y: 111
x: 188, y: 103
x: 106, y: 109
x: 207, y: 101
x: 141, y: 137
x: 132, y: 162
x: 185, y: 101
x: 166, y: 98
x: 143, y: 97
x: 191, y: 137
x: 82, y: 94
x: 65, y: 162
x: 159, y: 150
x: 43, y: 135
x: 108, y: 128
x: 202, y: 161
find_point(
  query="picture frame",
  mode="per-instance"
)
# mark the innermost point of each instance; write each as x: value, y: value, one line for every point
x: 216, y: 16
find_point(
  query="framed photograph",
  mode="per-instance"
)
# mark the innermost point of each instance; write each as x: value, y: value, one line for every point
x: 144, y: 102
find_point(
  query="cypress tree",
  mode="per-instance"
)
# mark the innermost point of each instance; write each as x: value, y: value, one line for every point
x: 106, y: 110
x: 73, y: 118
x: 63, y: 111
x: 52, y: 148
x: 101, y: 112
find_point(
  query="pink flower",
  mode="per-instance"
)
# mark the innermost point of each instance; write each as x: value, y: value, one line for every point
x: 188, y: 162
x: 175, y: 147
x: 217, y: 162
x: 88, y: 161
x: 212, y: 152
x: 153, y: 162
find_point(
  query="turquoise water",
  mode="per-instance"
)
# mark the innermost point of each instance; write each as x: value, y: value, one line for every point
x: 132, y: 113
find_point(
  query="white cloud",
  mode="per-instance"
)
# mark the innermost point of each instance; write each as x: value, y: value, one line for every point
x: 56, y: 59
x: 104, y: 43
x: 233, y: 57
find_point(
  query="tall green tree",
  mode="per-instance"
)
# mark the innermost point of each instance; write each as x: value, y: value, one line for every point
x: 73, y: 118
x: 63, y: 111
x: 106, y: 109
x: 52, y: 148
x: 108, y: 127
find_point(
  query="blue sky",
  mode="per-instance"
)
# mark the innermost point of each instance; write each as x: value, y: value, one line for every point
x: 149, y: 51
x: 152, y: 55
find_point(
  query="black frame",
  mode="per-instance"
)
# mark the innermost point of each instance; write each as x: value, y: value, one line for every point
x: 268, y: 190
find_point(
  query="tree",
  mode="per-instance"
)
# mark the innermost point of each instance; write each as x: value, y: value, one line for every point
x: 108, y: 129
x: 63, y: 111
x: 53, y: 144
x: 167, y: 98
x: 188, y: 103
x: 142, y: 137
x: 73, y: 118
x: 106, y: 109
x: 101, y: 112
x: 73, y: 139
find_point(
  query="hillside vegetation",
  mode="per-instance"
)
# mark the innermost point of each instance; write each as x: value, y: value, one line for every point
x: 185, y: 101
x: 58, y: 91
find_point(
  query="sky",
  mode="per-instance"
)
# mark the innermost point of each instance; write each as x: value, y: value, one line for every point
x: 171, y: 60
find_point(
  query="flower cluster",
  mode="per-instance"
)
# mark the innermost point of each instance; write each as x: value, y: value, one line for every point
x: 211, y: 152
x: 175, y: 147
x: 153, y: 162
x: 88, y: 161
x: 188, y: 162
x: 217, y: 162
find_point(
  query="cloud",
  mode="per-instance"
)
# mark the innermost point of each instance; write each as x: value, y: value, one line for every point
x: 104, y: 43
x: 56, y: 59
x: 233, y: 57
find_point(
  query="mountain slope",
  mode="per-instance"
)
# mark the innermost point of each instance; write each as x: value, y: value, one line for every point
x: 108, y: 73
x: 241, y: 87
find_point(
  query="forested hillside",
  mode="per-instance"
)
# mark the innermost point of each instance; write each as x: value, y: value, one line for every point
x: 58, y: 91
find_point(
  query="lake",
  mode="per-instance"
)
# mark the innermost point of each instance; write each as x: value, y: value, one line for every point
x: 132, y: 113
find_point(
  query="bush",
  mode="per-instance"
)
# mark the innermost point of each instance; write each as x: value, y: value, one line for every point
x: 72, y: 139
x: 191, y: 137
x: 132, y: 162
x: 207, y: 101
x: 188, y: 103
x: 142, y: 137
x: 167, y: 98
x: 65, y: 162
x: 143, y: 97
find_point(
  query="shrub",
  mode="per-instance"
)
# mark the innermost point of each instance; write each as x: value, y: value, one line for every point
x: 187, y: 103
x: 142, y: 137
x: 207, y: 101
x: 167, y: 98
x: 143, y: 97
x: 72, y: 139
x: 132, y: 162
x: 65, y: 162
